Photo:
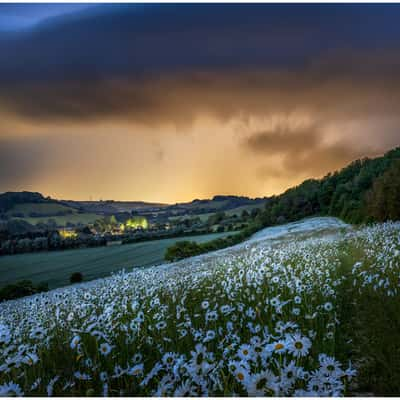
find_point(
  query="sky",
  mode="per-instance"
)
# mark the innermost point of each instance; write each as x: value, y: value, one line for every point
x: 172, y: 102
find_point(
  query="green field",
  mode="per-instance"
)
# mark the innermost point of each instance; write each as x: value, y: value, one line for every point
x: 203, y: 217
x: 55, y: 267
x: 44, y: 208
x: 51, y: 208
x: 84, y: 218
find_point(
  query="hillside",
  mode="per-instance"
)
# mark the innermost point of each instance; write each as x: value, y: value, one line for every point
x: 355, y: 194
x: 10, y: 199
x: 285, y: 314
x: 109, y: 207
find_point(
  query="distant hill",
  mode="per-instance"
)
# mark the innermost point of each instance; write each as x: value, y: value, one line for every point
x: 217, y: 203
x: 112, y: 206
x: 9, y: 199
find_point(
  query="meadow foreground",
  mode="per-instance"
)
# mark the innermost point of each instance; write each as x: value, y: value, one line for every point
x: 299, y: 315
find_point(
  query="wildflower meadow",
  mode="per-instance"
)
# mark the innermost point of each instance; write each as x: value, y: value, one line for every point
x: 294, y: 317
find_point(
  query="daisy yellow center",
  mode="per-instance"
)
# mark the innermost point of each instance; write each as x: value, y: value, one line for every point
x: 240, y: 376
x: 298, y: 345
x: 245, y: 352
x: 279, y: 346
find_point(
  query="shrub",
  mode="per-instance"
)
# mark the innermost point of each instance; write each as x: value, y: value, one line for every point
x: 21, y: 289
x: 184, y: 249
x: 76, y: 277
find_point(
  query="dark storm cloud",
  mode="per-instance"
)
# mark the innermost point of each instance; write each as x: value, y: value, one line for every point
x: 127, y: 40
x: 303, y: 151
x: 279, y: 140
x: 179, y: 98
x: 153, y: 63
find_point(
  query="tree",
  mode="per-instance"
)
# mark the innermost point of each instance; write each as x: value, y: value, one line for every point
x: 76, y: 277
x: 40, y: 243
x: 21, y: 289
x: 216, y: 218
x: 383, y: 201
x: 182, y: 249
x: 245, y: 214
x: 24, y: 245
x: 255, y: 212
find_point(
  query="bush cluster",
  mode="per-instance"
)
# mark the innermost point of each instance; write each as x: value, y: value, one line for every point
x: 21, y: 289
x: 186, y: 248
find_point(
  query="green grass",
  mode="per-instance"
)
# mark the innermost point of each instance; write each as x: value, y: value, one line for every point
x: 238, y: 210
x: 51, y: 208
x: 84, y: 218
x: 55, y: 267
x: 204, y: 217
x: 27, y: 208
x: 370, y: 327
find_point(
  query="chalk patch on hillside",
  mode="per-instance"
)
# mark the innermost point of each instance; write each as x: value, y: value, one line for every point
x: 307, y: 225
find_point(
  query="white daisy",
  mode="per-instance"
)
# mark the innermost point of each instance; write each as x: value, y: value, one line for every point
x: 103, y: 376
x: 245, y: 352
x: 242, y: 375
x: 279, y: 346
x: 185, y: 390
x: 329, y: 366
x: 211, y: 316
x: 38, y: 333
x: 11, y: 389
x: 168, y: 359
x: 210, y: 335
x: 136, y: 370
x: 137, y: 358
x: 299, y: 345
x: 161, y: 325
x: 105, y: 349
x: 262, y: 384
x: 205, y: 304
x: 75, y: 341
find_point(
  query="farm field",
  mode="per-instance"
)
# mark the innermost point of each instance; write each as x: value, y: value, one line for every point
x: 51, y: 208
x: 55, y: 267
x: 45, y: 208
x: 62, y: 220
x: 280, y: 314
x: 238, y: 211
